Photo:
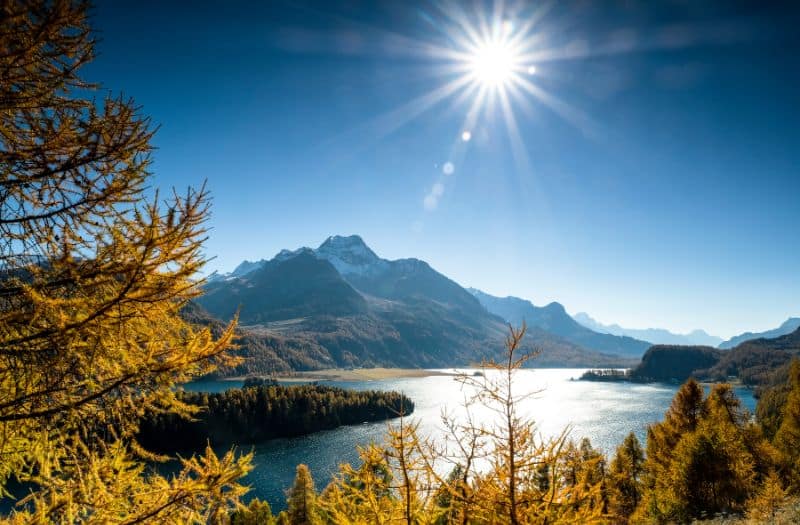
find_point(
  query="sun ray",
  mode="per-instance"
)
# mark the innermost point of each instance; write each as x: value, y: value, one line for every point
x: 468, y: 125
x: 468, y: 37
x: 392, y: 120
x: 570, y: 114
x: 382, y: 125
x: 518, y: 150
x: 487, y: 61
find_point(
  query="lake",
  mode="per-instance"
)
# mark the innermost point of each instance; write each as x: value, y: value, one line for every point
x: 603, y: 412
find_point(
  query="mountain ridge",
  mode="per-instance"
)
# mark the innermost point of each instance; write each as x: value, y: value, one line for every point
x: 787, y: 327
x: 553, y: 318
x: 392, y: 313
x: 656, y: 336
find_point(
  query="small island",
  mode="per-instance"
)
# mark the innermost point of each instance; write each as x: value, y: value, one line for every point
x: 606, y: 375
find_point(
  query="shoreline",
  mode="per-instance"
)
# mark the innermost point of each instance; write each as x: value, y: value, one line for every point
x: 351, y: 374
x: 592, y: 377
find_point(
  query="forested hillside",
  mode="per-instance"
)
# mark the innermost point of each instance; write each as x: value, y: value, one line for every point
x: 759, y: 363
x: 674, y: 363
x: 755, y: 362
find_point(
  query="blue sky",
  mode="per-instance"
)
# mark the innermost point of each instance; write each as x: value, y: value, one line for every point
x: 661, y: 189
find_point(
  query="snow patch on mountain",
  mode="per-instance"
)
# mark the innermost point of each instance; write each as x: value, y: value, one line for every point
x: 246, y: 267
x: 348, y: 254
x: 285, y: 255
x: 351, y: 256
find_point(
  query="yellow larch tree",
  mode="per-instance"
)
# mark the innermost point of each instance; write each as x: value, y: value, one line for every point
x: 94, y: 271
x: 507, y: 474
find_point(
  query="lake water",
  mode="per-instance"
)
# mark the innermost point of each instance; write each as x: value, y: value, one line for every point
x: 603, y: 412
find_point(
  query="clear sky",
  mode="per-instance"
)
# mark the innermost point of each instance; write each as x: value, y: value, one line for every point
x: 650, y: 177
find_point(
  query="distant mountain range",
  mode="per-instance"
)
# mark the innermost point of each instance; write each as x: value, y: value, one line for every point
x: 554, y: 319
x: 342, y: 305
x: 656, y: 336
x: 660, y: 336
x: 789, y: 326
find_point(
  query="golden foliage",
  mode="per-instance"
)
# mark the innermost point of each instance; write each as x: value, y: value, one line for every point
x: 502, y: 472
x: 92, y: 278
x: 768, y: 501
x: 787, y: 439
x: 302, y: 501
x: 705, y: 458
x: 625, y: 479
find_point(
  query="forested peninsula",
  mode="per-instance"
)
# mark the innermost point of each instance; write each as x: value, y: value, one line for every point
x: 265, y: 410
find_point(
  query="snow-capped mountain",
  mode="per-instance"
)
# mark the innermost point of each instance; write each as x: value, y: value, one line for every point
x: 246, y: 267
x: 370, y: 274
x: 356, y: 308
x: 348, y: 254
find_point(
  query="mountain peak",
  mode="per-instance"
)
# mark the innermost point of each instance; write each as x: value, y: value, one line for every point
x: 289, y: 254
x: 346, y: 242
x: 556, y: 307
x: 791, y: 323
x: 350, y: 255
x: 246, y: 267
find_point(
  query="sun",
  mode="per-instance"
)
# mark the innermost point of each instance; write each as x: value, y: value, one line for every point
x: 493, y: 64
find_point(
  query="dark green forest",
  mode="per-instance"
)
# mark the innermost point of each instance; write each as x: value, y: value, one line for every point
x: 258, y: 412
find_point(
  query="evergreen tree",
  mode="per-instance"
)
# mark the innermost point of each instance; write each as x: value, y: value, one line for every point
x: 681, y: 419
x: 364, y: 494
x: 625, y: 485
x: 406, y: 454
x: 448, y: 507
x: 714, y: 462
x: 256, y: 513
x: 301, y: 502
x: 584, y: 476
x: 787, y: 439
x: 767, y: 503
x: 769, y: 411
x: 93, y: 276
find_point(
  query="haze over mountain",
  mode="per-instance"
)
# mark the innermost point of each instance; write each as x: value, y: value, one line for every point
x: 349, y: 307
x: 656, y: 336
x: 788, y: 326
x: 554, y: 319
